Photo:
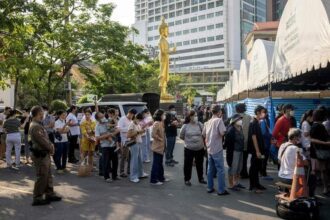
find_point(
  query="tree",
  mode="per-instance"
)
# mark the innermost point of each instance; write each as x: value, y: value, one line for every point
x: 189, y: 93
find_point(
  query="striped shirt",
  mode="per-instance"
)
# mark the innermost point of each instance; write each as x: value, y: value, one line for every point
x: 12, y: 125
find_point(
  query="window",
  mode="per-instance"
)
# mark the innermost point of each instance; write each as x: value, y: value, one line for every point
x: 194, y: 2
x: 157, y: 3
x: 202, y: 7
x: 178, y: 22
x: 165, y: 9
x: 165, y: 16
x: 151, y: 12
x: 194, y: 30
x: 219, y: 25
x: 172, y: 7
x: 186, y: 20
x: 156, y: 27
x: 156, y: 37
x: 193, y: 19
x: 187, y: 42
x: 203, y: 28
x: 157, y: 11
x: 186, y: 3
x: 195, y: 41
x: 152, y: 19
x: 151, y: 5
x: 179, y: 13
x: 157, y: 18
x: 187, y: 11
x: 210, y: 39
x: 178, y: 33
x: 150, y: 28
x: 211, y: 15
x: 186, y: 31
x: 210, y: 5
x: 219, y: 37
x: 202, y: 1
x: 219, y: 3
x: 179, y: 5
x: 202, y: 40
x: 172, y: 15
x: 164, y: 2
x: 178, y: 44
x: 170, y: 24
x: 150, y: 38
x: 172, y: 34
x: 210, y: 27
x: 194, y: 9
x: 219, y: 13
x: 201, y: 17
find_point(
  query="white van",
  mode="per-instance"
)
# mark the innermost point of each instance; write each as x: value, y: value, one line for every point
x: 123, y: 107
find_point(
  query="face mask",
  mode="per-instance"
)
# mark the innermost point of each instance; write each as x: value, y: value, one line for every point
x: 163, y: 117
x: 45, y: 114
x: 239, y: 123
x: 292, y: 113
x: 173, y: 112
x: 195, y: 119
x: 104, y: 120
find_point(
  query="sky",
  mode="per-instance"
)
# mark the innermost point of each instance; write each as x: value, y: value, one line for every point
x: 124, y: 11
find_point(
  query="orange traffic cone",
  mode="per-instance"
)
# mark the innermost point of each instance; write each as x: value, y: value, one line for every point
x: 299, y: 186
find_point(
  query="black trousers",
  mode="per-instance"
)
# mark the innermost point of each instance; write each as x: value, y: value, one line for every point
x: 110, y: 162
x: 255, y: 168
x: 264, y: 163
x: 73, y: 139
x: 189, y: 156
x: 244, y: 172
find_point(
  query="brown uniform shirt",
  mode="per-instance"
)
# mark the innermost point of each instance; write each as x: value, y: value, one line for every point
x: 39, y: 137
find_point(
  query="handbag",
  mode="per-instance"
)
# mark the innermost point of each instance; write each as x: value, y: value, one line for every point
x: 58, y: 136
x: 322, y: 154
x: 129, y: 143
x: 84, y: 169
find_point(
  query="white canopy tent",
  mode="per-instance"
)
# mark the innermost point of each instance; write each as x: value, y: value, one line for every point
x: 243, y: 76
x: 235, y: 82
x: 262, y: 55
x: 303, y: 39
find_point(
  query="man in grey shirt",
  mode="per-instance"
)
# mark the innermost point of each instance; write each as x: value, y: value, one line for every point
x: 49, y: 123
x: 213, y: 131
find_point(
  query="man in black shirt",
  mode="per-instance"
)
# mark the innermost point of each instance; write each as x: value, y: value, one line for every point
x: 256, y: 147
x: 171, y: 127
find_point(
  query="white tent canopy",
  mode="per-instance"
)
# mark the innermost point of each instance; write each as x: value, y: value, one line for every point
x: 243, y: 75
x: 235, y: 82
x: 303, y: 39
x: 262, y: 55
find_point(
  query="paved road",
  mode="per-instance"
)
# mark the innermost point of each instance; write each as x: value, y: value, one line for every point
x: 92, y: 198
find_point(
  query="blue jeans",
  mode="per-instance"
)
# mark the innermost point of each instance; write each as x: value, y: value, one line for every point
x: 61, y: 154
x: 157, y: 170
x: 146, y: 146
x: 216, y: 164
x: 136, y: 166
x: 170, y: 144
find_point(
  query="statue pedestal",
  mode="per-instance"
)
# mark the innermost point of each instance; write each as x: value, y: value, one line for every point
x: 167, y: 99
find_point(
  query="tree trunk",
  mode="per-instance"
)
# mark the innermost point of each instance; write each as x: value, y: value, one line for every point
x: 16, y: 88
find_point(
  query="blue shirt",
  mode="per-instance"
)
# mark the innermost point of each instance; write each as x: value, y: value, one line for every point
x: 101, y: 129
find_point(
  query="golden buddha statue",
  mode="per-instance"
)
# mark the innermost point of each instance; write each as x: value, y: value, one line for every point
x: 164, y: 61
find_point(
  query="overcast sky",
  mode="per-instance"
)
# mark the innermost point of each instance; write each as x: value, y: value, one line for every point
x: 124, y: 11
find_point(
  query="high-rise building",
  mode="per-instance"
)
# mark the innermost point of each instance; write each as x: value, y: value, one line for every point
x: 208, y: 34
x: 275, y: 9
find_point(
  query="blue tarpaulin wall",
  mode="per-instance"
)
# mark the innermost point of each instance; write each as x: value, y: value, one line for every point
x: 302, y: 105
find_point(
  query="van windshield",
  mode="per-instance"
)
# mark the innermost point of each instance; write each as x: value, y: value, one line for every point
x: 138, y: 108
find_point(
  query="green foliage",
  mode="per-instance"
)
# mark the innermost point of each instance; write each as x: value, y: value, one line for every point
x: 189, y: 93
x: 57, y: 105
x: 83, y: 99
x: 213, y: 89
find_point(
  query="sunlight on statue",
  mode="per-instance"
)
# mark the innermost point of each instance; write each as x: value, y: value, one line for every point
x: 164, y: 60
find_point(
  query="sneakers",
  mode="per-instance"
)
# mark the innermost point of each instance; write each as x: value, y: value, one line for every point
x: 174, y: 162
x: 59, y: 171
x: 187, y: 183
x: 170, y: 164
x: 53, y: 198
x: 157, y: 183
x: 40, y: 202
x: 135, y: 180
x: 202, y: 181
x: 123, y: 175
x: 145, y: 175
x: 224, y: 193
x: 166, y: 180
x: 109, y: 180
x: 147, y: 161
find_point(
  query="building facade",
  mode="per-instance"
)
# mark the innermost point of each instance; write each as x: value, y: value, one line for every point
x: 208, y: 34
x: 275, y: 9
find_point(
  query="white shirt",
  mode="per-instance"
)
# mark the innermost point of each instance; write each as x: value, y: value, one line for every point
x: 213, y: 129
x: 59, y: 124
x: 123, y: 124
x: 74, y: 130
x: 288, y: 160
x: 305, y: 141
x: 134, y: 127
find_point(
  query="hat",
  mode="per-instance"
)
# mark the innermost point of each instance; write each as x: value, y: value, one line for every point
x: 235, y: 118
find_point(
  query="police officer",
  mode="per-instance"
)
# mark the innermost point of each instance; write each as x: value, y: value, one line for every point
x: 41, y: 150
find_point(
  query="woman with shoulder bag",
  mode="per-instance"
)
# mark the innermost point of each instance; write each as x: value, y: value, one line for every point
x: 191, y: 133
x: 61, y: 142
x: 320, y: 149
x: 134, y: 133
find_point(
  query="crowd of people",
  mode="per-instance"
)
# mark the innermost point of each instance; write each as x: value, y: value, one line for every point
x: 124, y: 144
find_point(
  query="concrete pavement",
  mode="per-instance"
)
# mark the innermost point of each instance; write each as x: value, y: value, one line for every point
x: 92, y: 198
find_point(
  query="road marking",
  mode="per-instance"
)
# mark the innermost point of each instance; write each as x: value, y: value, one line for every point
x: 28, y: 192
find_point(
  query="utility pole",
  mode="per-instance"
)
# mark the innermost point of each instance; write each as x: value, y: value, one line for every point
x: 68, y: 75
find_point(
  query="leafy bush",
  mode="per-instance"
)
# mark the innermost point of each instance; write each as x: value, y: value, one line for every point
x: 57, y: 105
x: 83, y: 99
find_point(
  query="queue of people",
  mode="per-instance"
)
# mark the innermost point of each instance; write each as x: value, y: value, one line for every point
x: 126, y: 144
